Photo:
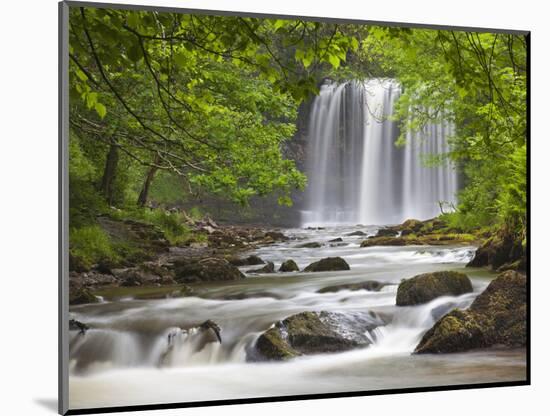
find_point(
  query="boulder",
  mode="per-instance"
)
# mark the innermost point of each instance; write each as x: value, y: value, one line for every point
x: 289, y: 266
x: 412, y: 224
x: 356, y: 234
x: 425, y: 287
x: 370, y: 285
x: 328, y: 264
x: 498, y: 316
x: 316, y: 333
x: 276, y: 236
x: 336, y: 240
x: 251, y: 260
x: 502, y: 251
x: 209, y: 269
x: 268, y: 268
x: 82, y: 296
x: 313, y: 244
x: 387, y: 232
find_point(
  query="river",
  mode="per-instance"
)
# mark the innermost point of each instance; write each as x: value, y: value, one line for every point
x: 124, y: 359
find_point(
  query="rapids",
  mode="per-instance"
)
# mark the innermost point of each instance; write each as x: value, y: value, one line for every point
x: 127, y: 357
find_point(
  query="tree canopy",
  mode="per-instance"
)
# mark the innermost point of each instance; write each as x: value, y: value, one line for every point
x: 211, y: 101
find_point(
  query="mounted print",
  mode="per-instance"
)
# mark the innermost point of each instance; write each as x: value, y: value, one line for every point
x: 259, y: 208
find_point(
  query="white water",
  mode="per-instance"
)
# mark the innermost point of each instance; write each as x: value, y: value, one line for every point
x: 127, y: 357
x: 357, y: 174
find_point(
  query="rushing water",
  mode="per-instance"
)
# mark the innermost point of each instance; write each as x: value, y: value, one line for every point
x: 128, y: 357
x: 356, y: 172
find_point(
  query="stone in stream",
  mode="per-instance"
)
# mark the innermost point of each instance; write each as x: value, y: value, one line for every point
x: 328, y: 264
x: 425, y: 287
x: 209, y: 269
x: 370, y: 285
x: 268, y: 268
x: 276, y: 236
x: 82, y: 296
x: 315, y: 333
x: 313, y: 244
x: 357, y: 234
x: 498, y: 316
x: 251, y: 260
x: 387, y: 232
x: 289, y: 266
x: 75, y: 325
x: 336, y: 240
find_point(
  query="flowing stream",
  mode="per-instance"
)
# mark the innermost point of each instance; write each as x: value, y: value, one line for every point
x: 135, y: 352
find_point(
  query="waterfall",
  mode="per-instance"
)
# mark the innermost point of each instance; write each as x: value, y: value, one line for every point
x: 357, y: 174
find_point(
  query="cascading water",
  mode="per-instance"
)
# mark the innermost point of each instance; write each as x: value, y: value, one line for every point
x: 356, y: 172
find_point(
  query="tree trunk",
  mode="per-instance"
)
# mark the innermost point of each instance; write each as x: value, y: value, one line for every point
x: 143, y: 195
x: 109, y: 173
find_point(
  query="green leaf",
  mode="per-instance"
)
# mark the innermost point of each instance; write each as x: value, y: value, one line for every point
x: 100, y: 109
x: 334, y: 61
x: 279, y: 23
x: 135, y: 53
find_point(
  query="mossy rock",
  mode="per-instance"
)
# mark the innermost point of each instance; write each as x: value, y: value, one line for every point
x: 387, y: 232
x: 498, y: 316
x: 82, y: 296
x: 412, y: 224
x: 498, y: 251
x: 388, y: 241
x: 426, y: 287
x: 328, y: 264
x: 209, y: 269
x: 289, y: 266
x: 316, y: 333
x: 268, y: 268
x: 456, y: 331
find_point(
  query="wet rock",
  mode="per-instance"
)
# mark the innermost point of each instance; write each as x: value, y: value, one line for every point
x: 248, y: 261
x: 425, y: 287
x: 387, y: 232
x: 212, y: 327
x: 313, y: 244
x: 412, y: 224
x: 502, y: 251
x: 370, y: 285
x: 336, y: 240
x: 388, y: 241
x: 75, y: 325
x: 90, y: 279
x: 498, y: 316
x: 316, y: 333
x: 276, y: 236
x: 328, y: 264
x: 209, y: 269
x: 82, y: 296
x: 268, y: 268
x: 145, y: 274
x: 289, y: 266
x: 356, y: 234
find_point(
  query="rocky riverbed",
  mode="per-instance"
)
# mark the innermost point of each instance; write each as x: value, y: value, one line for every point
x: 329, y: 311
